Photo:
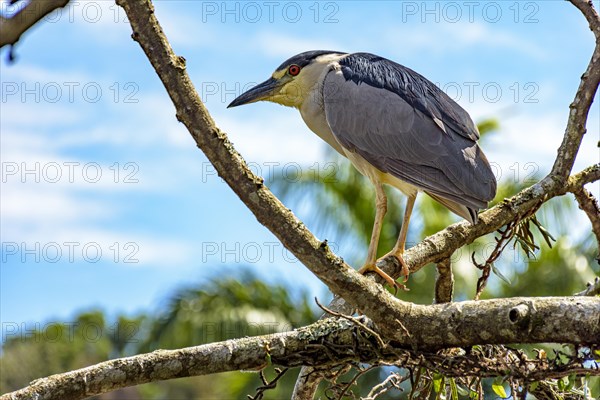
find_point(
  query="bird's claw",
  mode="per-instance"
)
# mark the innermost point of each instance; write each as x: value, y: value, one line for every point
x: 398, y: 255
x: 372, y: 267
x: 405, y: 268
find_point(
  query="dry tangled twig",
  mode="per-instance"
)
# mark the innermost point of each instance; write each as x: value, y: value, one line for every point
x: 391, y: 382
x: 460, y: 369
x: 267, y: 385
x: 354, y: 320
x: 520, y: 231
x: 463, y: 370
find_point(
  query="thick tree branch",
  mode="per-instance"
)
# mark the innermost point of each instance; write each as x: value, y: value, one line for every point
x: 335, y: 340
x: 12, y: 28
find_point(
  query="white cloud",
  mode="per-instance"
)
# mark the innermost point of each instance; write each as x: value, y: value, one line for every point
x: 448, y: 37
x: 273, y: 136
x: 61, y: 198
x: 48, y: 164
x: 276, y: 44
x: 48, y: 213
x: 80, y: 244
x: 30, y: 206
x: 185, y: 29
x: 103, y: 21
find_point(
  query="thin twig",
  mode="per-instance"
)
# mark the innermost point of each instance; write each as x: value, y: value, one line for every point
x: 354, y: 320
x: 360, y: 373
x: 260, y: 391
x: 392, y: 381
x: 506, y: 235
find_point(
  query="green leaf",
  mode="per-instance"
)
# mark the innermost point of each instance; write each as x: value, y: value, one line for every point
x: 463, y: 391
x: 533, y: 386
x: 499, y: 389
x: 453, y: 389
x: 525, y: 246
x: 497, y: 272
x: 546, y: 235
x: 437, y: 383
x: 488, y: 125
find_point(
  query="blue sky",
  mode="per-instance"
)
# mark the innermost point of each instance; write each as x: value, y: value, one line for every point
x: 119, y: 207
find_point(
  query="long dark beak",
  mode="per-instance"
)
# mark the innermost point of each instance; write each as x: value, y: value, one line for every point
x: 259, y: 92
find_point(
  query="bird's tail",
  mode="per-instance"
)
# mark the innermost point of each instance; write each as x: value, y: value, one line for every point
x: 468, y: 213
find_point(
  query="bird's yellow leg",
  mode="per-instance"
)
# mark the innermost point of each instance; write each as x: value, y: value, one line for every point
x: 398, y: 249
x: 380, y: 210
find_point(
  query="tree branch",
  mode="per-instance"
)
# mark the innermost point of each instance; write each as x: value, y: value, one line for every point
x: 589, y: 205
x: 591, y: 15
x: 444, y: 282
x: 336, y: 340
x: 12, y: 28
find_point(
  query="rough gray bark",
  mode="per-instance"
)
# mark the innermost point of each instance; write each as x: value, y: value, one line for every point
x: 12, y: 28
x: 444, y: 282
x: 333, y: 341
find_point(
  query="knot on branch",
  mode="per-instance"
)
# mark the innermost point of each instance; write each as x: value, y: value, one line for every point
x: 179, y: 62
x: 520, y: 316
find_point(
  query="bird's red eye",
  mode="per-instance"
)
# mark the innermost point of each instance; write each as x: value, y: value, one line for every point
x: 294, y: 70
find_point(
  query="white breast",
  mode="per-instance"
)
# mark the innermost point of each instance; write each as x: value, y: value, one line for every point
x: 313, y: 115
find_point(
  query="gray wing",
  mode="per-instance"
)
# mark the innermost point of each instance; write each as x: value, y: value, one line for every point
x: 385, y: 113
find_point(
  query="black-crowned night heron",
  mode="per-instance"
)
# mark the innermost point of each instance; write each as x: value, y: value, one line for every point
x: 394, y: 125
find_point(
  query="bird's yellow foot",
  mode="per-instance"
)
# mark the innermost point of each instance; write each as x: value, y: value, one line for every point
x: 371, y: 267
x: 403, y: 264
